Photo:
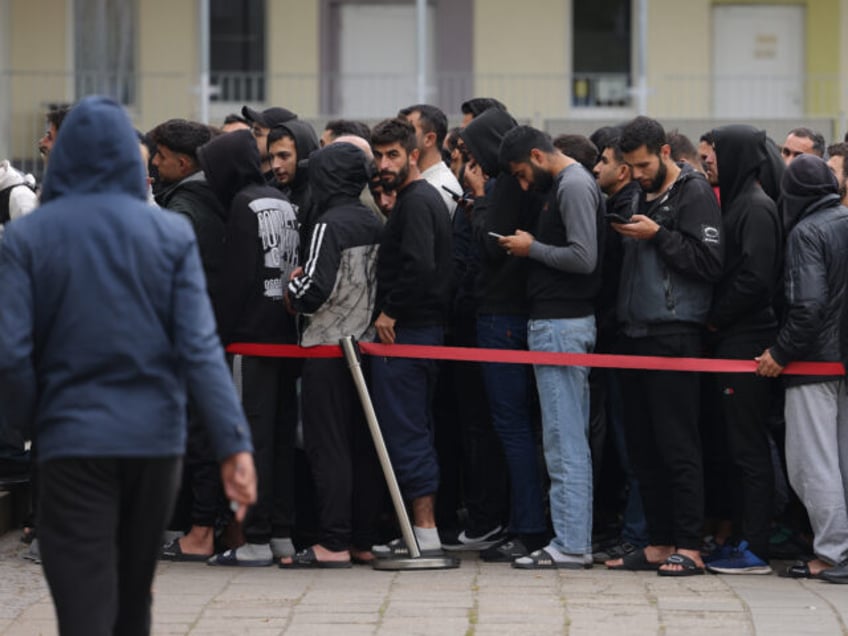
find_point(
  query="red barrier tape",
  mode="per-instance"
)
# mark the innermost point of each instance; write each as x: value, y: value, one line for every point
x: 603, y: 360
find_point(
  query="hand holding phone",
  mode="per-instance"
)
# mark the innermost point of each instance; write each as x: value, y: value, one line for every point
x: 612, y: 217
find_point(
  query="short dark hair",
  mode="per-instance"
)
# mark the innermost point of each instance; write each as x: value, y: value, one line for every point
x: 602, y: 136
x: 808, y: 133
x: 432, y: 120
x: 339, y: 127
x: 394, y: 130
x: 232, y: 118
x: 681, y: 147
x: 57, y: 115
x: 642, y: 131
x: 613, y: 142
x: 182, y: 136
x: 477, y: 105
x: 840, y: 150
x: 578, y: 147
x: 279, y: 132
x: 707, y: 138
x: 518, y: 142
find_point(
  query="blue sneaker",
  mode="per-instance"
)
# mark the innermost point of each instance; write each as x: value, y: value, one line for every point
x: 717, y: 551
x: 740, y: 561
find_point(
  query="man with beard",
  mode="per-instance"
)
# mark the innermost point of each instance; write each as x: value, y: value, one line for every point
x: 564, y: 277
x: 836, y: 161
x: 413, y: 290
x: 672, y: 257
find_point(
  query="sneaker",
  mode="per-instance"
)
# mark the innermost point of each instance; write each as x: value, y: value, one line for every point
x: 740, y: 561
x: 467, y: 541
x: 615, y: 551
x: 719, y: 552
x: 505, y: 551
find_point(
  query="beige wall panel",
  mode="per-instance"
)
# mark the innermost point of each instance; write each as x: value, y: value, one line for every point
x: 512, y: 43
x: 38, y: 58
x: 293, y: 55
x: 167, y: 61
x: 679, y: 45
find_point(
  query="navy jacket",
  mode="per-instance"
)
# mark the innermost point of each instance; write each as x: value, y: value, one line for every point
x: 104, y: 317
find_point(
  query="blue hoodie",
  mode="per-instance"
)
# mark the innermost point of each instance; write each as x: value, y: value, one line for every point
x: 104, y: 317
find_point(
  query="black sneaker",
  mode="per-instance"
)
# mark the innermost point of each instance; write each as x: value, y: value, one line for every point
x: 466, y: 540
x: 505, y: 551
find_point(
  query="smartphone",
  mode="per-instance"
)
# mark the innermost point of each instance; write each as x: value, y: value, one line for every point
x: 454, y: 195
x: 496, y: 235
x: 612, y: 217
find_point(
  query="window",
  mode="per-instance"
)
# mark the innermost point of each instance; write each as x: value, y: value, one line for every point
x: 104, y: 48
x: 237, y: 50
x: 601, y: 53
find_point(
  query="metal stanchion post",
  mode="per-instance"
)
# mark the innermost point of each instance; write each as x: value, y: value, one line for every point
x: 415, y: 560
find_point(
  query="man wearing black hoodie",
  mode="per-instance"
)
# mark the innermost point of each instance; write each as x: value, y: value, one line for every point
x: 816, y: 406
x: 501, y: 207
x: 262, y: 251
x: 335, y: 293
x: 742, y: 323
x: 289, y: 147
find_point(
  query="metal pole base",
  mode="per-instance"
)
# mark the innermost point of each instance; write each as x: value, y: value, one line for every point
x: 418, y: 563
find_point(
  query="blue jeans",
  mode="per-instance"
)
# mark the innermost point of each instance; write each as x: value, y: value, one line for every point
x: 508, y: 388
x: 564, y: 400
x: 402, y: 393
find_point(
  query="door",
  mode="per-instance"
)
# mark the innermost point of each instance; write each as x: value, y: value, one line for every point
x: 758, y: 61
x: 377, y: 58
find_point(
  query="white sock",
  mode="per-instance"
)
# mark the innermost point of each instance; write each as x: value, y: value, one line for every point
x: 563, y: 557
x: 282, y: 547
x: 428, y: 538
x: 253, y: 551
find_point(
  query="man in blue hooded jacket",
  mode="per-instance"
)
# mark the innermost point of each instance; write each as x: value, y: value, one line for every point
x: 105, y: 324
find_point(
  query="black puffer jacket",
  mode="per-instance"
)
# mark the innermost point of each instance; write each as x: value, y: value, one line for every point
x: 194, y: 198
x: 753, y: 253
x: 816, y: 266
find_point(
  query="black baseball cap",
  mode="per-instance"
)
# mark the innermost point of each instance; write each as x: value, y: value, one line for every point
x: 269, y: 117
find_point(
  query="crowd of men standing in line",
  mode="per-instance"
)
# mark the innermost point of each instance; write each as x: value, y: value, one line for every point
x: 494, y: 235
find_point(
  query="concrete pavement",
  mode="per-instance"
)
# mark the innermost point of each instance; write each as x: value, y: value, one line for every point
x: 477, y: 599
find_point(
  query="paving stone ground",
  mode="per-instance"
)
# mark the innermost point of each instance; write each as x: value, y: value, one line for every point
x: 477, y: 599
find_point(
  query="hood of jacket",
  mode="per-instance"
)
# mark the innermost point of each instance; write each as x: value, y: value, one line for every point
x: 95, y: 152
x: 305, y: 143
x: 337, y: 172
x: 740, y: 153
x: 772, y: 169
x: 483, y: 136
x: 230, y: 162
x: 807, y: 185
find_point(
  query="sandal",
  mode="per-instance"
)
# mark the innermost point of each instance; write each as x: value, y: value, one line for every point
x: 542, y: 560
x: 173, y: 552
x: 799, y: 570
x: 690, y: 568
x: 636, y: 562
x: 306, y: 558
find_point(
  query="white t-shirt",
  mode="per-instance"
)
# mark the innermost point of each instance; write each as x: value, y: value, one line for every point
x: 439, y: 175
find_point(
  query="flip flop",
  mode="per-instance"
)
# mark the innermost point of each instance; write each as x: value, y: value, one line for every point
x: 230, y: 559
x: 690, y: 568
x: 306, y: 559
x: 799, y: 570
x: 173, y: 552
x: 542, y: 560
x: 636, y: 562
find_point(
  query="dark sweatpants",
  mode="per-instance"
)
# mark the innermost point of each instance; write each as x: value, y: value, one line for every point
x: 348, y: 481
x: 269, y: 398
x: 663, y: 441
x: 100, y: 531
x: 402, y: 392
x: 745, y: 401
